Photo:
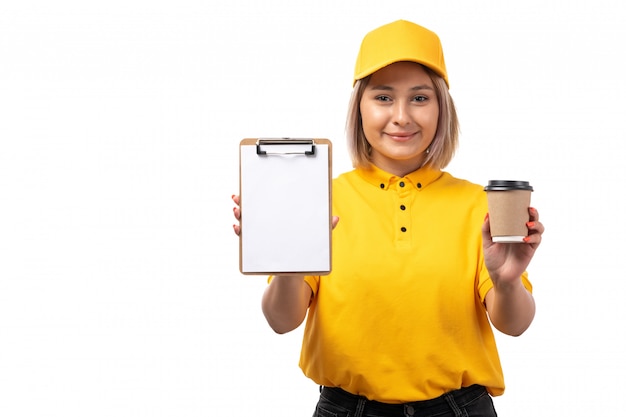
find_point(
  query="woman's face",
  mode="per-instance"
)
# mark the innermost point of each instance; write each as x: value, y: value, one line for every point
x: 400, y: 110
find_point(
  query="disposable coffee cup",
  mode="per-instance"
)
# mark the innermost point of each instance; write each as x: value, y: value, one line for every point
x: 508, y: 203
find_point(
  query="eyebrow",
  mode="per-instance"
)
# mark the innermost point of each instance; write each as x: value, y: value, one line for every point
x: 388, y: 88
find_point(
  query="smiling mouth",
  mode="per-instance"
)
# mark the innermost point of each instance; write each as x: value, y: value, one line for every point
x: 401, y: 136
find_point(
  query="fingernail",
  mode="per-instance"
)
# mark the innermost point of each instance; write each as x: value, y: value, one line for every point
x: 486, y: 216
x: 526, y: 239
x: 530, y: 224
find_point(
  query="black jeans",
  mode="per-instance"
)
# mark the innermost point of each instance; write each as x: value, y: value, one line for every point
x: 472, y: 401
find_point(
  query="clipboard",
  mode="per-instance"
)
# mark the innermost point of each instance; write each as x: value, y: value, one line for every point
x: 285, y: 199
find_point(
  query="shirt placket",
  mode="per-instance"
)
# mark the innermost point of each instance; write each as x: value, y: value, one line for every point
x: 404, y: 229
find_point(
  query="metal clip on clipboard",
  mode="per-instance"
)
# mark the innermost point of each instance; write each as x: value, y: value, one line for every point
x: 285, y: 141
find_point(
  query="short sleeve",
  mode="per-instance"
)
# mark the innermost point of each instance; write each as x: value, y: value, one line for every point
x: 485, y: 283
x: 312, y: 280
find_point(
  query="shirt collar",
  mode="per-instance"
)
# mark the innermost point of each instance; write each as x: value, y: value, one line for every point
x: 420, y: 179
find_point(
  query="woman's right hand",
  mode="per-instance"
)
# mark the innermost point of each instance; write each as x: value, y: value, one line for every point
x: 237, y: 213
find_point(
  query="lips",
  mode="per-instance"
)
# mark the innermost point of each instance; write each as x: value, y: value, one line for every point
x: 400, y: 136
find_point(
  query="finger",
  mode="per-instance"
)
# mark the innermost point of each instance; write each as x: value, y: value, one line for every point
x: 236, y: 199
x: 533, y: 214
x: 237, y: 213
x: 237, y: 229
x: 533, y: 239
x: 535, y: 230
x: 335, y: 220
x: 535, y: 227
x: 486, y: 230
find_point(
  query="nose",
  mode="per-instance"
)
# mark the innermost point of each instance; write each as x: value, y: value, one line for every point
x: 401, y: 115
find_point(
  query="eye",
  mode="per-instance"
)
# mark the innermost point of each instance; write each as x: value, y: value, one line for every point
x: 420, y: 98
x: 383, y: 98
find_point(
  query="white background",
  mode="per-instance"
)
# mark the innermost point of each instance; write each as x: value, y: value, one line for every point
x: 120, y: 121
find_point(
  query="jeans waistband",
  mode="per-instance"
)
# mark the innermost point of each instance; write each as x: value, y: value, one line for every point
x: 457, y: 398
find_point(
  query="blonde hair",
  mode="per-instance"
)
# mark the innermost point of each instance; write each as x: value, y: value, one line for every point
x: 441, y: 149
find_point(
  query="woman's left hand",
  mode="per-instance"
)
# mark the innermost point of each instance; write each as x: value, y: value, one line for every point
x: 507, y: 261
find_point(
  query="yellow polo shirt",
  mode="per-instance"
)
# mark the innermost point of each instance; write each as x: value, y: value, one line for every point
x: 401, y: 317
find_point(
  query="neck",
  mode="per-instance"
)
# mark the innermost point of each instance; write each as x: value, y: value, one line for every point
x: 399, y: 168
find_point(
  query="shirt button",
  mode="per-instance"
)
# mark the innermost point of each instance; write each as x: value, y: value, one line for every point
x: 403, y: 229
x: 401, y: 183
x: 382, y: 186
x: 402, y: 207
x: 419, y: 185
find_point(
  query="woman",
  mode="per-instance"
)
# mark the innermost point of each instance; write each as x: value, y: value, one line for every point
x: 403, y: 324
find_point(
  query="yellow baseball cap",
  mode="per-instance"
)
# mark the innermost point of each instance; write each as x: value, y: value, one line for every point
x: 399, y: 41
